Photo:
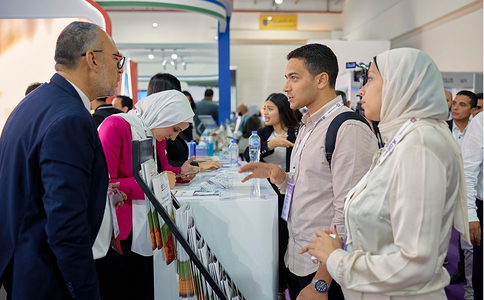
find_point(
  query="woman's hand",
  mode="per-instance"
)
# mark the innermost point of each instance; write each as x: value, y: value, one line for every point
x: 323, y: 245
x: 120, y: 203
x: 280, y: 141
x: 187, y: 167
x: 171, y: 178
x: 209, y: 165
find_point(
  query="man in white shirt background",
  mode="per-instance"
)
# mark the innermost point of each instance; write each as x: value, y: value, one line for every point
x: 478, y: 108
x: 472, y: 154
x: 462, y: 106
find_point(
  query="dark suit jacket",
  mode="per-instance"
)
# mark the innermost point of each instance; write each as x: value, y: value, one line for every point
x: 53, y: 180
x: 450, y: 122
x: 104, y: 111
x: 265, y: 133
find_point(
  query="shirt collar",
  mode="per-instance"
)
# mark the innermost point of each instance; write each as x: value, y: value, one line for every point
x: 455, y: 128
x: 83, y: 96
x: 312, y: 119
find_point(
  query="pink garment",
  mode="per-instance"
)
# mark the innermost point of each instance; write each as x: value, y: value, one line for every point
x: 115, y: 136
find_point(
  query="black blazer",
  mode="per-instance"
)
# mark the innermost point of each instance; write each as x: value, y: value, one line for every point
x: 450, y: 124
x: 265, y: 133
x: 104, y: 111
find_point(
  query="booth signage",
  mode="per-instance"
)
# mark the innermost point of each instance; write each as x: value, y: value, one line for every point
x: 458, y: 80
x: 278, y: 22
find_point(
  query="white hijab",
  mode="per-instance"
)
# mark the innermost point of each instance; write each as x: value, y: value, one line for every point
x: 413, y: 87
x: 158, y: 110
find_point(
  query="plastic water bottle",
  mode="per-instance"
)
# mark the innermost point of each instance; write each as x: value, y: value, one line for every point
x: 254, y: 147
x: 192, y: 149
x: 233, y: 153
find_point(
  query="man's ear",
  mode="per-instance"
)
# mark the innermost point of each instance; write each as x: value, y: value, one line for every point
x: 92, y: 61
x: 323, y: 80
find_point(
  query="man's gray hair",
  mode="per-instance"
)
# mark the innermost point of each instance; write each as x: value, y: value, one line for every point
x: 73, y: 42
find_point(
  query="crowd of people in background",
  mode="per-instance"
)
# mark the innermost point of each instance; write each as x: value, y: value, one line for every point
x: 391, y: 179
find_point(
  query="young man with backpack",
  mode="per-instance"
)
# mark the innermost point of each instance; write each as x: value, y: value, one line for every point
x: 315, y: 188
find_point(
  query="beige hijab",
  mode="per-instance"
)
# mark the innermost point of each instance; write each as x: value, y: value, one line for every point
x: 413, y: 87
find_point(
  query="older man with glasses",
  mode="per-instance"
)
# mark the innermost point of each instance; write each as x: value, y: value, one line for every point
x: 53, y: 173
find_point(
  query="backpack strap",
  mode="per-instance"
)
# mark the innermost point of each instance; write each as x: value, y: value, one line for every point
x: 333, y: 131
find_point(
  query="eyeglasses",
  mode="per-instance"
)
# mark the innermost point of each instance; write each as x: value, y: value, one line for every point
x: 119, y: 57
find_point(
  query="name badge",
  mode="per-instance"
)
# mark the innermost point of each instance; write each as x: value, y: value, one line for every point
x: 288, y: 197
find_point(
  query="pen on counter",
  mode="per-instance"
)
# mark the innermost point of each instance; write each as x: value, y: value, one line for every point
x: 187, y: 173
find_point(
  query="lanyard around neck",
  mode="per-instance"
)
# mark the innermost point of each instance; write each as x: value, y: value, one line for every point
x: 301, y: 144
x: 391, y: 146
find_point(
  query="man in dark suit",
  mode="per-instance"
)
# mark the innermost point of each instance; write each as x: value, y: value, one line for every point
x: 53, y: 173
x: 206, y: 107
x: 102, y: 110
x: 123, y: 103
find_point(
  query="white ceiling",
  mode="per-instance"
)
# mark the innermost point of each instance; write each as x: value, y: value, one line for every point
x: 193, y: 37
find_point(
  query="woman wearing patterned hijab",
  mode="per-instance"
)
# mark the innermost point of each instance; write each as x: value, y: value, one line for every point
x: 399, y: 217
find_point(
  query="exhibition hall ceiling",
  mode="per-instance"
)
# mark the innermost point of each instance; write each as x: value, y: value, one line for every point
x: 161, y: 38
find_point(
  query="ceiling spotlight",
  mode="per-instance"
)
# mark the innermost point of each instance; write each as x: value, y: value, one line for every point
x: 172, y: 63
x: 174, y: 56
x: 184, y: 64
x: 278, y: 1
x: 155, y: 25
x: 269, y: 18
x: 151, y: 56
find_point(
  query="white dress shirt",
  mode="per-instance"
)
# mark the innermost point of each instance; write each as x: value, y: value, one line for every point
x: 103, y: 238
x: 458, y: 135
x: 472, y: 154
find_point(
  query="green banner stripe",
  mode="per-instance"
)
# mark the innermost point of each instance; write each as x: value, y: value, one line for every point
x: 165, y: 5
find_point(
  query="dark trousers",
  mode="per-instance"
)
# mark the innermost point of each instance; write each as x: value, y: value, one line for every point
x: 283, y: 240
x: 460, y: 264
x: 296, y: 284
x: 477, y: 263
x: 125, y: 277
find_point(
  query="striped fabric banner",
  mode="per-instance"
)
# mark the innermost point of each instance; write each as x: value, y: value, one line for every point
x: 218, y: 9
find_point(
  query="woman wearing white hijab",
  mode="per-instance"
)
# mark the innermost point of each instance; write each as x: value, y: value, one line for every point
x: 161, y: 115
x: 399, y: 217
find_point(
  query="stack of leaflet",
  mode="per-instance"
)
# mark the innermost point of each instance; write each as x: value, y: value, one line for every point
x: 161, y: 189
x: 203, y: 290
x: 148, y: 171
x: 199, y: 272
x: 219, y: 180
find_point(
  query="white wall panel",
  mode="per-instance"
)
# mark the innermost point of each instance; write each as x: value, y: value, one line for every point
x: 260, y: 70
x: 455, y: 46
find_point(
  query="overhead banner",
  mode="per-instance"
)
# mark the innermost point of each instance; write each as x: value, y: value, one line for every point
x: 278, y: 22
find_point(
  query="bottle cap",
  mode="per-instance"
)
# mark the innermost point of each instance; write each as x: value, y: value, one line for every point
x: 234, y: 141
x: 254, y: 132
